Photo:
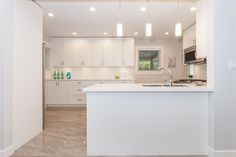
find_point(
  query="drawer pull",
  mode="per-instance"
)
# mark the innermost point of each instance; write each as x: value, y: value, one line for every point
x: 78, y: 82
x: 79, y: 89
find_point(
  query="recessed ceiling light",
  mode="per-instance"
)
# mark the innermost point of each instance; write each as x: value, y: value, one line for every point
x: 167, y: 33
x: 135, y: 33
x: 50, y: 14
x: 193, y: 9
x: 92, y: 9
x: 105, y: 33
x: 142, y: 9
x: 74, y: 33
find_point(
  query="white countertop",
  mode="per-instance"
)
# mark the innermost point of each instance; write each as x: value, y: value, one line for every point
x: 138, y: 88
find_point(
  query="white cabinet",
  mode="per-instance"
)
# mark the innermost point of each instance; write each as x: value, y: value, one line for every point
x: 108, y: 61
x: 58, y: 51
x: 189, y: 37
x: 98, y: 52
x: 87, y: 51
x: 204, y: 27
x: 52, y: 92
x: 118, y: 51
x: 69, y: 52
x: 78, y: 52
x: 128, y: 52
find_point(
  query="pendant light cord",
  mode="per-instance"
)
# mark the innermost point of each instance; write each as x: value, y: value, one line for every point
x: 149, y: 11
x: 119, y: 15
x: 178, y: 11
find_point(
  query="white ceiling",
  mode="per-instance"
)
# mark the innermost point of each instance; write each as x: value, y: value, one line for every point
x: 76, y: 17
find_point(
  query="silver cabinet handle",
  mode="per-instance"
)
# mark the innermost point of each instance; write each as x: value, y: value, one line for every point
x: 78, y: 82
x: 79, y: 99
x: 79, y: 89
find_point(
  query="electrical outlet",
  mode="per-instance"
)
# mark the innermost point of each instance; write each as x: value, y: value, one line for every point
x: 232, y: 65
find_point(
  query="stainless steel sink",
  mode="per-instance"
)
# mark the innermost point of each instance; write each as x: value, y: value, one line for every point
x: 155, y: 85
x: 151, y: 85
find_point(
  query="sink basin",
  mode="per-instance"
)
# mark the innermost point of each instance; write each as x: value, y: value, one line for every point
x: 151, y: 85
x: 155, y: 85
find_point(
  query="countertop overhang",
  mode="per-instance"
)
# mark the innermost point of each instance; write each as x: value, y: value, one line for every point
x: 139, y: 88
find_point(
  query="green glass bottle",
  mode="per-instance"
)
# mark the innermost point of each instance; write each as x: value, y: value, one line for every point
x: 55, y: 75
x: 62, y: 75
x: 58, y: 75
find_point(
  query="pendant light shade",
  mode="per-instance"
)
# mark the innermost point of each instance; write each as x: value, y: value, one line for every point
x: 178, y: 29
x: 149, y: 25
x: 119, y: 29
x: 148, y: 29
x: 178, y: 25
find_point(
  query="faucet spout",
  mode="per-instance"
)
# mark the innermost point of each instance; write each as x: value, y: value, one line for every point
x: 170, y: 74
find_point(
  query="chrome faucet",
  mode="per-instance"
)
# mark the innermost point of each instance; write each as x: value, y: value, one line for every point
x: 170, y: 75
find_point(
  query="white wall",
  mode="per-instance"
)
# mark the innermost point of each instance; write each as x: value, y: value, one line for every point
x: 27, y: 71
x: 171, y: 48
x: 6, y: 14
x: 222, y: 102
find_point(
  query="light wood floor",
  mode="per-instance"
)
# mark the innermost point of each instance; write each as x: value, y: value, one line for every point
x: 64, y: 136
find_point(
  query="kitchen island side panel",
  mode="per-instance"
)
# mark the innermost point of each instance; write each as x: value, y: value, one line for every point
x: 147, y: 123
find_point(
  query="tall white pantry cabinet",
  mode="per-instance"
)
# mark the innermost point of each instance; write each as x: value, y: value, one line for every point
x: 79, y: 52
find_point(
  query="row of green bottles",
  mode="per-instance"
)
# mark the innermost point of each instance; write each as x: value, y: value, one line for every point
x: 58, y: 75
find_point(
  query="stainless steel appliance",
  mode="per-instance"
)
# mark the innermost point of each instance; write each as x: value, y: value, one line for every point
x: 190, y: 56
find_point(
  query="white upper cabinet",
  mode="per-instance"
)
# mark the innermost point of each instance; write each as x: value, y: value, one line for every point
x: 204, y: 27
x: 108, y: 57
x: 69, y: 52
x: 128, y: 52
x: 189, y: 37
x: 98, y: 52
x: 87, y: 51
x: 58, y: 51
x: 118, y: 52
x: 78, y: 52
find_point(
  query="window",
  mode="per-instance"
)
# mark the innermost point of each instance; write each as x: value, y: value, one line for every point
x: 149, y: 60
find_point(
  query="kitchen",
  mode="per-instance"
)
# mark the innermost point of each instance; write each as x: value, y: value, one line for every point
x: 119, y: 78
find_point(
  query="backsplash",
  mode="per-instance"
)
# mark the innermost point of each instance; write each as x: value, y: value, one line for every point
x: 199, y: 71
x: 95, y: 72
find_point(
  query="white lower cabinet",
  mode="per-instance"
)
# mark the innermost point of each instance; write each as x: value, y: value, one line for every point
x: 70, y: 93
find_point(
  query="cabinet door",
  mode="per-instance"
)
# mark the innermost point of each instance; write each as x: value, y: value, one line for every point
x: 78, y: 52
x: 118, y: 52
x: 98, y: 52
x: 189, y: 37
x: 52, y: 92
x: 129, y: 52
x: 69, y: 51
x: 87, y: 51
x: 108, y: 57
x: 58, y: 51
x: 203, y: 27
x: 64, y: 92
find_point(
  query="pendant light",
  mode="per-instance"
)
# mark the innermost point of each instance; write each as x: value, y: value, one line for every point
x: 119, y: 27
x: 149, y: 25
x: 178, y: 25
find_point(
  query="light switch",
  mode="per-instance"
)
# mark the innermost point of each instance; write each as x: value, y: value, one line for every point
x: 232, y: 65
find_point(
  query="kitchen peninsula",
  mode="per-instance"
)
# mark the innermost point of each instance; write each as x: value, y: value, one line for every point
x: 130, y: 119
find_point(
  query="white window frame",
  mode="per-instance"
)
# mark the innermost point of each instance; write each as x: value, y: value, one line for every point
x: 157, y: 48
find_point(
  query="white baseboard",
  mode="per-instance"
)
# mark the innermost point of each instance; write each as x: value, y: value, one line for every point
x: 7, y: 151
x: 221, y: 153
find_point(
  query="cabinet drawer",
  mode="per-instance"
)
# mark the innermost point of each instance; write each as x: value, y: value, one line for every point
x: 82, y: 84
x: 76, y: 90
x: 78, y: 99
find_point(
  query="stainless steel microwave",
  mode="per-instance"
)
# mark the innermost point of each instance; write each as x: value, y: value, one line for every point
x: 190, y: 56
